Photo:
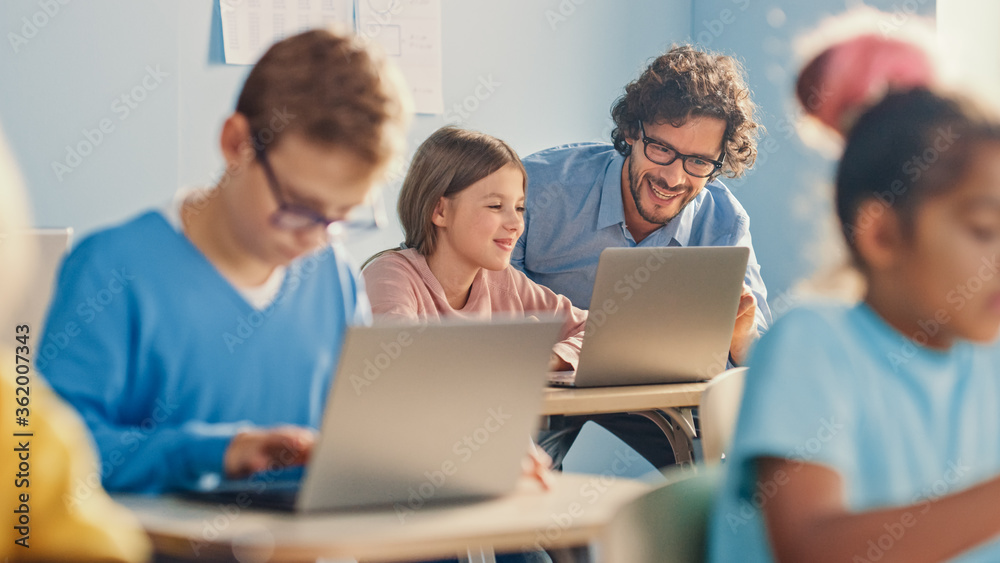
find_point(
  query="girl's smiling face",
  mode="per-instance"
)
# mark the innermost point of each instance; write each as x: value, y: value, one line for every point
x: 945, y: 270
x: 480, y: 225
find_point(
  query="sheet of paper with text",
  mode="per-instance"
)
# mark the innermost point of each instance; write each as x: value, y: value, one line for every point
x: 249, y: 27
x: 410, y: 33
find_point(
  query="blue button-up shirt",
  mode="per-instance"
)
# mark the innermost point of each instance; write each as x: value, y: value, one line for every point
x: 574, y: 210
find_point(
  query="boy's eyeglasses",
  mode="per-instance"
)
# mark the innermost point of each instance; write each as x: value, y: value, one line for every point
x: 292, y: 217
x: 697, y: 166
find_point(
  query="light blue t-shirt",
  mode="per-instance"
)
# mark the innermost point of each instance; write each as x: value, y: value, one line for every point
x: 574, y: 210
x: 166, y: 360
x: 902, y: 424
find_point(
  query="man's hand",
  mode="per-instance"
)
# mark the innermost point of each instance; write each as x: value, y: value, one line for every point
x: 255, y: 450
x: 745, y: 332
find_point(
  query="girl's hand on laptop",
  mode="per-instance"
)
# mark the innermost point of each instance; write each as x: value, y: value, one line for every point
x: 558, y: 364
x: 537, y: 465
x: 258, y: 449
x: 555, y: 362
x: 745, y: 332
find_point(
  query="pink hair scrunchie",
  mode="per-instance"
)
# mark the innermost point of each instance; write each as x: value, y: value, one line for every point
x: 839, y: 83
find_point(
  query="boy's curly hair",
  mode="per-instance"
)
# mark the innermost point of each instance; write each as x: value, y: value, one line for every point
x: 684, y: 83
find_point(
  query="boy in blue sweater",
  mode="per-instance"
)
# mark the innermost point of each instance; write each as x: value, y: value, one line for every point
x: 198, y: 342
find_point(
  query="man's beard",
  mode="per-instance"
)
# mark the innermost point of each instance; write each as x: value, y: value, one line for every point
x: 635, y: 189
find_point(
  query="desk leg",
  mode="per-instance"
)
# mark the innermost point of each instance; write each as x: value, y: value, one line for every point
x: 478, y: 555
x: 579, y: 554
x: 678, y: 426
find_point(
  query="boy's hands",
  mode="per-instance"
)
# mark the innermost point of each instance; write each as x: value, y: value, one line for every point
x: 258, y: 449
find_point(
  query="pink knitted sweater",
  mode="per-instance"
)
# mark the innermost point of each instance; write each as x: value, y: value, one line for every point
x: 401, y: 285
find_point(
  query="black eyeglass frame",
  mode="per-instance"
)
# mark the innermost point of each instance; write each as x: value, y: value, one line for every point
x: 646, y: 141
x: 289, y: 216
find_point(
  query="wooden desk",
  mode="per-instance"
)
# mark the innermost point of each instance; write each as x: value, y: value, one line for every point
x: 573, y: 513
x: 669, y: 406
x: 600, y: 400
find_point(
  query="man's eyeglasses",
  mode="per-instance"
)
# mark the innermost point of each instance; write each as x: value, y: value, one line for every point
x: 697, y: 166
x: 292, y: 217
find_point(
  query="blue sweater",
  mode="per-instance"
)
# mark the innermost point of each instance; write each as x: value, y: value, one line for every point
x: 166, y: 361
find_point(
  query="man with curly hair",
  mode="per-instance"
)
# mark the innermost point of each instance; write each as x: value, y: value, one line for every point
x: 684, y: 122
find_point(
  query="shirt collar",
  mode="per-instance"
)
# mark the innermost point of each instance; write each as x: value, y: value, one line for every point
x: 612, y: 211
x: 678, y: 231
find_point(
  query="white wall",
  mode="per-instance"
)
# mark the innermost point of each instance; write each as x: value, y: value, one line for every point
x: 969, y: 36
x: 557, y: 65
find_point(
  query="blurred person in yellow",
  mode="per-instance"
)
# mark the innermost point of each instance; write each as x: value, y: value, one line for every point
x: 53, y: 506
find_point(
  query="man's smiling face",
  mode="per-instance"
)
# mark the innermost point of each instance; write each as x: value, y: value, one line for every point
x: 659, y: 192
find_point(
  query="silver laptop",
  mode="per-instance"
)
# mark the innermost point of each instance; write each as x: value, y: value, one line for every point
x: 659, y: 315
x: 49, y: 246
x: 419, y: 414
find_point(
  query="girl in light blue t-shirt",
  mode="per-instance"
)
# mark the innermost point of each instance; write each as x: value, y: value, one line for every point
x: 870, y: 433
